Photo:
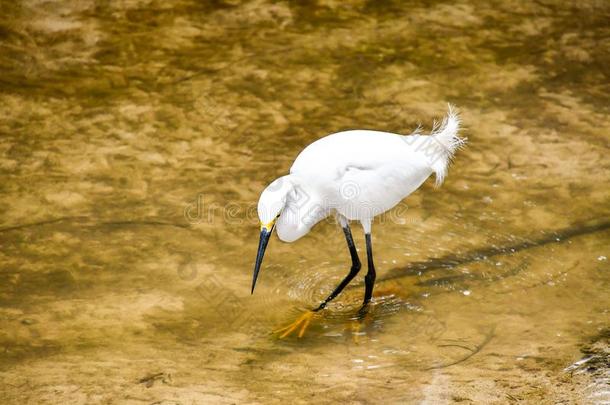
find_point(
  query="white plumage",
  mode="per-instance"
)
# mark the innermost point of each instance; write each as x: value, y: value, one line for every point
x: 357, y: 174
x: 354, y: 175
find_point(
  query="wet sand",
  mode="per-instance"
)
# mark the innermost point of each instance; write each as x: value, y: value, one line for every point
x: 136, y: 136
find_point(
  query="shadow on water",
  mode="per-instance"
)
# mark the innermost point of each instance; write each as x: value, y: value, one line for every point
x: 451, y: 261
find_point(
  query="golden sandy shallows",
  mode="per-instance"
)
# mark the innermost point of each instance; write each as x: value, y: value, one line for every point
x: 135, y: 136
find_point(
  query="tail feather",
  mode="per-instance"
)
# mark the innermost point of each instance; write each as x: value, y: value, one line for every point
x: 448, y: 142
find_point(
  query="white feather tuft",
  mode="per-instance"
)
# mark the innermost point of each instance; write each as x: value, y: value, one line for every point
x: 448, y: 141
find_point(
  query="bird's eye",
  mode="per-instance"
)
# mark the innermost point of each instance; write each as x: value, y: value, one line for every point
x: 277, y: 216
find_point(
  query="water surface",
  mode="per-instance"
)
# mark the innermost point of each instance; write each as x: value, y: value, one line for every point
x: 136, y: 136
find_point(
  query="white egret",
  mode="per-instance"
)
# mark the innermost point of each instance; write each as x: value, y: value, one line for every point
x: 353, y: 175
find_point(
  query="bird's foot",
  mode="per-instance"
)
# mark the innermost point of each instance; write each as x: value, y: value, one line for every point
x: 355, y: 330
x: 359, y: 322
x: 302, y: 321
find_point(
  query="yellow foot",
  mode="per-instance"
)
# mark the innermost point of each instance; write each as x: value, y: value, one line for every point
x: 302, y: 321
x: 356, y: 325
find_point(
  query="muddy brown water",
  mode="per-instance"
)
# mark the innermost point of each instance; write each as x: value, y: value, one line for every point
x: 136, y: 136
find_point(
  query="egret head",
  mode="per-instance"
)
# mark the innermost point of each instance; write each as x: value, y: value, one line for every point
x: 270, y: 205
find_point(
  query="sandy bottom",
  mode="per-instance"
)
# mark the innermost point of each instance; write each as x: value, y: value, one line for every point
x: 136, y: 136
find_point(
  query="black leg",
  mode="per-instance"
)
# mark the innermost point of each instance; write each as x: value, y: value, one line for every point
x: 352, y: 272
x: 369, y: 279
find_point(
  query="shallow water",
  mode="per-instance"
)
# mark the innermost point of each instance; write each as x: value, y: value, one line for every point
x: 136, y: 136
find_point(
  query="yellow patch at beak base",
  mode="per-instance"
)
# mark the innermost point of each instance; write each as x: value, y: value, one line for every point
x: 267, y: 227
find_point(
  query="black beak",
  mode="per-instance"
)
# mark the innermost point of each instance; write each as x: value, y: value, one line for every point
x: 262, y: 245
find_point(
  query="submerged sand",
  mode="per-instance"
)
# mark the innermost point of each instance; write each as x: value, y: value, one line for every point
x: 135, y: 137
